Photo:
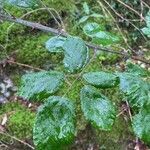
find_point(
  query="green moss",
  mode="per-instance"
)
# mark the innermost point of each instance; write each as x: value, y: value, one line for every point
x: 65, y: 5
x: 116, y: 139
x: 31, y: 50
x: 20, y: 120
x: 16, y: 78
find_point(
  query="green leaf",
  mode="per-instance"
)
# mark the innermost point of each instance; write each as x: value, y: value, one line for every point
x: 86, y: 8
x: 101, y: 79
x: 54, y: 124
x: 1, y: 5
x: 83, y: 19
x: 147, y: 18
x: 92, y: 28
x: 146, y: 31
x: 95, y: 15
x: 75, y: 51
x: 99, y: 36
x: 104, y: 38
x: 141, y: 124
x: 39, y: 85
x: 97, y: 108
x: 55, y: 44
x: 23, y: 3
x: 76, y: 54
x: 135, y: 89
x: 137, y: 70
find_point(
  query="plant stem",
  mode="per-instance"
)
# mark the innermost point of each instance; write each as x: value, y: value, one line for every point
x: 65, y: 34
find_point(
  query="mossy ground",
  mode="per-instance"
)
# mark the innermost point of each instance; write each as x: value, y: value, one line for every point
x: 26, y: 46
x: 20, y: 120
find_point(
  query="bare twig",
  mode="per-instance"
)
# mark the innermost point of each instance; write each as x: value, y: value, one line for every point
x: 127, y: 6
x: 47, y: 8
x: 114, y: 20
x: 119, y: 15
x: 24, y: 65
x: 129, y: 111
x: 28, y: 13
x: 16, y: 139
x: 142, y: 8
x: 65, y: 34
x: 146, y: 4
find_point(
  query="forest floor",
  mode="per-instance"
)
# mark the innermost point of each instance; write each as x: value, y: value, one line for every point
x: 25, y: 52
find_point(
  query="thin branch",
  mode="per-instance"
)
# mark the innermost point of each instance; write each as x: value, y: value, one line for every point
x: 24, y: 65
x: 129, y: 111
x: 26, y: 14
x: 16, y: 139
x: 32, y: 25
x: 119, y: 15
x: 127, y: 6
x: 65, y: 34
x: 114, y: 20
x: 146, y: 4
x: 47, y: 8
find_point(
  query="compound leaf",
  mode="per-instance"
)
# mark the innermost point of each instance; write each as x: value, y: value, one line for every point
x: 135, y: 89
x: 141, y: 124
x: 101, y: 79
x: 55, y: 44
x: 38, y: 85
x: 97, y: 108
x: 54, y: 124
x: 76, y: 54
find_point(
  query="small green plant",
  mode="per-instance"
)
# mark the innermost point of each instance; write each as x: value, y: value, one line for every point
x: 55, y: 125
x: 55, y: 121
x: 146, y: 30
x: 88, y: 14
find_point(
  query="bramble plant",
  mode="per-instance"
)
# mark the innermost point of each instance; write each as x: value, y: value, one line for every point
x: 54, y: 125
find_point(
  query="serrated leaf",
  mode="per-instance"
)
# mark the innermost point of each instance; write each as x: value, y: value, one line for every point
x: 76, y: 54
x: 55, y: 44
x: 54, y: 124
x: 101, y: 79
x: 75, y: 51
x: 38, y: 85
x: 137, y: 70
x: 95, y: 31
x: 86, y: 8
x: 23, y: 3
x: 141, y: 124
x: 97, y: 108
x: 135, y: 89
